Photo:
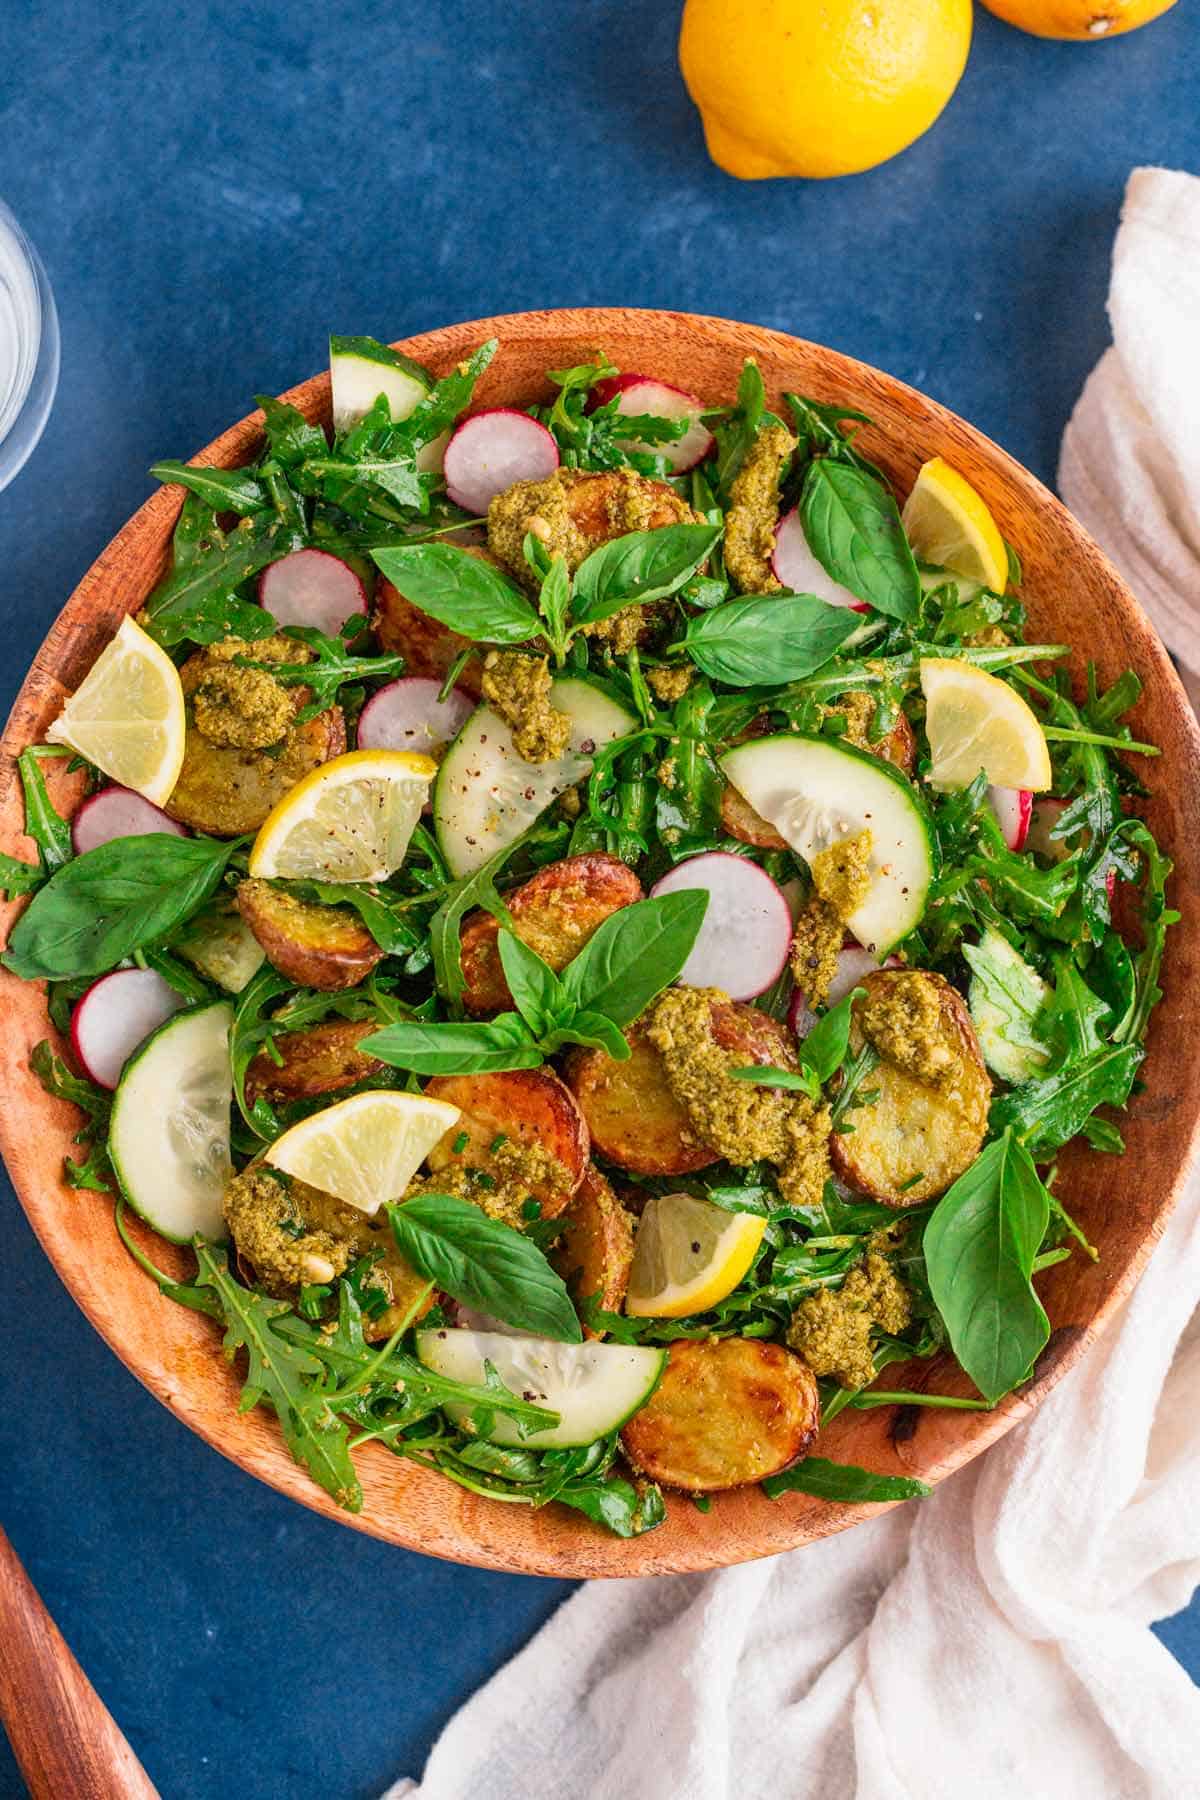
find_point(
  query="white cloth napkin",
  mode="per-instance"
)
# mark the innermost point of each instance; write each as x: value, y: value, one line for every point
x: 991, y: 1642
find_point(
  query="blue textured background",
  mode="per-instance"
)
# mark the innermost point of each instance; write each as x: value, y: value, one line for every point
x: 214, y: 187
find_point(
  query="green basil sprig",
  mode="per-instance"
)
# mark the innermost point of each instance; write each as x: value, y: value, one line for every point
x: 641, y: 566
x: 821, y: 1054
x: 461, y: 591
x: 768, y: 638
x: 842, y: 1481
x: 853, y: 529
x: 102, y: 906
x: 484, y: 1263
x: 980, y: 1245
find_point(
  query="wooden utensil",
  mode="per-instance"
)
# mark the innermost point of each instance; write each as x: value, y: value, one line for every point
x: 1072, y: 594
x: 65, y: 1740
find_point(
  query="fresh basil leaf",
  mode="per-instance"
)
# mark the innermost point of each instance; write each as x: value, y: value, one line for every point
x: 592, y: 1030
x: 484, y: 1263
x: 470, y: 1048
x: 736, y: 429
x: 102, y: 906
x: 980, y: 1244
x: 767, y: 638
x: 199, y: 601
x: 853, y: 528
x: 634, y: 955
x: 48, y: 829
x: 616, y: 1504
x: 290, y: 435
x: 1048, y: 1112
x: 842, y: 1481
x: 225, y: 490
x: 641, y: 566
x: 787, y: 1080
x: 824, y: 1049
x: 461, y: 591
x: 554, y: 599
x: 535, y: 988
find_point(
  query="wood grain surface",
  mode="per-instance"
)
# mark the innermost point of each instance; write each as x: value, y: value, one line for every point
x: 1073, y: 595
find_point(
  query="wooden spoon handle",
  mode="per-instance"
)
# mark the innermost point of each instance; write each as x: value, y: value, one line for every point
x: 63, y: 1736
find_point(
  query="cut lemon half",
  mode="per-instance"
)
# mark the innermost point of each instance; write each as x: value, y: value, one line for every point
x: 350, y: 820
x: 364, y: 1150
x: 127, y: 715
x: 689, y: 1254
x: 976, y: 721
x: 949, y: 525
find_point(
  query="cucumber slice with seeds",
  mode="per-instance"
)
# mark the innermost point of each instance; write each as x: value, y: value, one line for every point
x: 360, y: 370
x: 594, y: 1388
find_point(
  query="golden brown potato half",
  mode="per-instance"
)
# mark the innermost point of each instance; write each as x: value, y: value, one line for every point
x: 428, y: 648
x: 530, y: 1108
x: 726, y: 1412
x: 321, y: 1059
x: 740, y: 820
x: 899, y: 747
x: 555, y: 912
x: 595, y: 1252
x: 914, y: 1140
x: 227, y: 792
x: 325, y: 947
x: 594, y: 500
x: 634, y: 1118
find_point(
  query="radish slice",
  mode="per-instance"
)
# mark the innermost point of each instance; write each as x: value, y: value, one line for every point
x: 117, y: 812
x: 800, y: 572
x: 743, y: 942
x: 115, y: 1015
x: 1044, y: 815
x: 642, y: 394
x: 407, y: 715
x: 853, y: 963
x: 491, y: 450
x: 311, y: 587
x: 1013, y: 808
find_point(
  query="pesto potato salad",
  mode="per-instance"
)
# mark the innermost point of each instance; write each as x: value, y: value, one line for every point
x: 593, y: 925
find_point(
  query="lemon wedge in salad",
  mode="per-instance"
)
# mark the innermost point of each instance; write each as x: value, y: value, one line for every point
x: 948, y: 524
x: 688, y: 1255
x: 976, y: 721
x: 364, y: 1150
x: 350, y: 820
x: 127, y: 716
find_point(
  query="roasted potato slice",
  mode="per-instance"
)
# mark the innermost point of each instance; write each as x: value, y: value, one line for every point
x: 910, y: 1143
x: 226, y: 791
x: 321, y: 1059
x: 595, y: 1252
x: 555, y: 912
x: 428, y: 647
x: 529, y: 1109
x: 899, y: 747
x: 727, y: 1411
x: 325, y: 947
x: 632, y: 1114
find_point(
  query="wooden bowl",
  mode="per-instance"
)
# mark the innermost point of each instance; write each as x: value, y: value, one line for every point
x: 1073, y: 594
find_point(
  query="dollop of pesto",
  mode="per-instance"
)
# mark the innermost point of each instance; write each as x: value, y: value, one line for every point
x: 519, y: 689
x: 903, y: 1020
x: 841, y: 879
x: 754, y: 512
x: 832, y: 1328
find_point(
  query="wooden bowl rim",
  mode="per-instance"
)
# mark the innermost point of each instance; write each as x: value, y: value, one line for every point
x: 508, y: 1538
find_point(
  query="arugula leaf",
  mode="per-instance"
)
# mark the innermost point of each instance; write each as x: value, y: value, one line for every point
x: 284, y: 1375
x: 484, y: 1263
x: 102, y: 906
x: 334, y: 666
x: 819, y: 430
x: 17, y: 877
x: 636, y: 953
x: 853, y: 528
x: 1049, y: 1112
x: 378, y: 906
x: 225, y: 490
x: 95, y: 1171
x: 475, y: 1047
x: 198, y: 600
x: 49, y: 831
x: 1156, y: 917
x: 842, y: 1481
x: 767, y: 638
x: 479, y: 889
x: 461, y: 591
x: 639, y: 567
x: 1074, y: 1014
x: 980, y: 1244
x: 290, y: 435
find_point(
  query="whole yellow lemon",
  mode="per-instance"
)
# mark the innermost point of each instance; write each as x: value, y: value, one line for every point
x: 1082, y: 19
x: 820, y: 87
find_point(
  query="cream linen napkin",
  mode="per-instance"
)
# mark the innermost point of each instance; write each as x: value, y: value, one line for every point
x: 992, y: 1642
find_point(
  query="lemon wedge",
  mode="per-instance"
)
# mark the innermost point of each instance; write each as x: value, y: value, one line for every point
x: 689, y: 1254
x: 975, y: 721
x: 127, y: 715
x: 949, y: 525
x: 350, y: 820
x: 364, y: 1150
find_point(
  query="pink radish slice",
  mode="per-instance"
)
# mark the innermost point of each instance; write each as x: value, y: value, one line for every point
x: 743, y: 942
x: 1013, y: 808
x: 491, y: 450
x: 113, y: 1017
x: 852, y: 964
x: 117, y: 812
x: 800, y: 572
x: 311, y: 587
x: 640, y: 394
x: 407, y: 715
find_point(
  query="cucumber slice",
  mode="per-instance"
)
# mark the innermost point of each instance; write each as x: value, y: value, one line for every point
x: 815, y: 792
x: 1005, y: 998
x: 486, y: 794
x: 222, y: 946
x: 594, y: 1388
x: 360, y: 370
x: 168, y: 1137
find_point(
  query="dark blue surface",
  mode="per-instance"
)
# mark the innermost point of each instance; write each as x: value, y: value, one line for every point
x: 213, y: 188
